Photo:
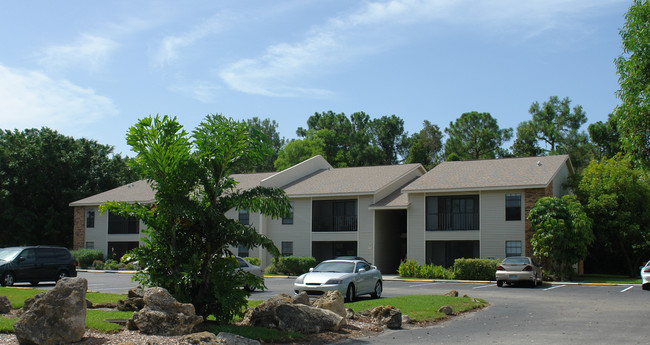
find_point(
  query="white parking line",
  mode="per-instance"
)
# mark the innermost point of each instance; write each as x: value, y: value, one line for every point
x: 483, y: 286
x: 423, y: 284
x: 627, y: 288
x: 554, y: 287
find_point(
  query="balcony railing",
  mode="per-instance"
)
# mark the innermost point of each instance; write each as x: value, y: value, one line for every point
x: 453, y: 222
x: 336, y: 223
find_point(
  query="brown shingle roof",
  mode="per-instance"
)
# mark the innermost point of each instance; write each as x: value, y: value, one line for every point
x: 139, y: 191
x: 348, y: 181
x: 490, y: 174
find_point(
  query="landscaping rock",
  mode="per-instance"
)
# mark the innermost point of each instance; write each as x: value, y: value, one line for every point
x: 332, y: 300
x: 307, y: 320
x: 452, y: 293
x: 163, y: 315
x: 301, y: 298
x: 234, y: 339
x: 388, y: 316
x: 203, y: 338
x: 56, y: 317
x: 264, y: 314
x: 28, y: 302
x: 349, y: 313
x: 445, y: 309
x: 5, y: 305
x: 108, y: 305
x: 136, y: 292
x: 280, y: 312
x: 406, y: 319
x: 130, y: 304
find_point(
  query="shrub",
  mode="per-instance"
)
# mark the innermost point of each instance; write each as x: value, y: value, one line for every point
x: 432, y: 271
x: 254, y: 261
x: 98, y: 264
x: 111, y: 264
x: 271, y: 269
x: 409, y: 268
x: 130, y: 267
x: 294, y: 265
x: 86, y: 257
x: 476, y: 269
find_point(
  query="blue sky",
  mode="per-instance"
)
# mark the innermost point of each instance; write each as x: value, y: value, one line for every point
x: 91, y: 69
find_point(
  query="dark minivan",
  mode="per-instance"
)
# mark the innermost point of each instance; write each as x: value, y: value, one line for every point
x: 35, y: 264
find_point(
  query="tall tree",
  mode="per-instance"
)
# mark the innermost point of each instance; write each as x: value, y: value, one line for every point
x: 633, y: 68
x: 188, y: 231
x: 475, y: 136
x: 562, y: 232
x: 298, y: 150
x: 605, y: 137
x: 525, y: 144
x: 41, y: 173
x: 271, y: 138
x: 388, y: 134
x: 616, y: 195
x: 426, y: 146
x: 557, y: 126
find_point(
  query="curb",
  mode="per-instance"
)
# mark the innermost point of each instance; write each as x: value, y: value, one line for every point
x: 107, y: 271
x: 488, y: 282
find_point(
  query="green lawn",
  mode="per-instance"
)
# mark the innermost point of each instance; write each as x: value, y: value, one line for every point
x: 419, y: 308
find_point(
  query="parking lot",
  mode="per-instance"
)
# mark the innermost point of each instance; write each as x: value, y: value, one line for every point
x: 549, y: 314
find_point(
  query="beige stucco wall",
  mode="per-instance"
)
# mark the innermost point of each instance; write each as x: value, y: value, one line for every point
x: 366, y: 226
x: 299, y: 232
x: 495, y: 230
x: 415, y: 245
x: 99, y: 234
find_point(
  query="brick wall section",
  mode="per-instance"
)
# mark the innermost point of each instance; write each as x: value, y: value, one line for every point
x: 79, y: 228
x: 530, y: 198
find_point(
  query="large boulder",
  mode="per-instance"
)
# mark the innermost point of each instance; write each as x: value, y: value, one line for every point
x: 56, y: 317
x: 163, y: 315
x: 301, y: 298
x: 333, y: 301
x: 306, y: 320
x: 130, y: 304
x: 280, y: 312
x: 388, y: 316
x: 5, y: 305
x: 264, y: 314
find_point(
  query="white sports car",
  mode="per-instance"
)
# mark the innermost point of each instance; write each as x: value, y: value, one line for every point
x: 645, y: 276
x: 352, y: 277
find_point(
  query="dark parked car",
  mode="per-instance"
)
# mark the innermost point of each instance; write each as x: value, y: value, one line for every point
x: 35, y: 264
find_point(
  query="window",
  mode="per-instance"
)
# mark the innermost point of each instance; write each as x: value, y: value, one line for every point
x: 242, y: 251
x: 243, y: 217
x: 288, y: 219
x: 334, y: 215
x: 121, y: 225
x: 117, y: 249
x: 90, y: 245
x: 452, y: 213
x: 287, y: 248
x: 513, y: 248
x: 90, y: 219
x: 513, y: 206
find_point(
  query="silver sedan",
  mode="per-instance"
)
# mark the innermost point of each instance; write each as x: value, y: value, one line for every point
x: 350, y: 277
x: 519, y: 269
x: 645, y: 276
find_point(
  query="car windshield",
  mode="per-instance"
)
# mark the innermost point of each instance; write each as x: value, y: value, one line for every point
x: 516, y: 261
x: 8, y: 254
x: 334, y: 266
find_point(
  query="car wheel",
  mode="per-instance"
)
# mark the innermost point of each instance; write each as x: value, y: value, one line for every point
x: 645, y: 286
x: 350, y: 295
x: 533, y: 284
x: 34, y: 283
x: 378, y: 290
x: 8, y: 279
x: 500, y: 283
x: 61, y: 275
x: 249, y: 288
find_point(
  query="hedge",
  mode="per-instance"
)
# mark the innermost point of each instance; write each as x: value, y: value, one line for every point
x: 293, y: 265
x: 476, y: 269
x: 85, y: 257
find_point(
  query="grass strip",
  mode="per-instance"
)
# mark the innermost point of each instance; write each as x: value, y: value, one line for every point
x: 607, y: 279
x: 421, y: 307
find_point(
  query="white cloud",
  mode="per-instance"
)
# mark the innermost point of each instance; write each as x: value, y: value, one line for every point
x: 89, y: 51
x: 168, y: 52
x: 349, y: 37
x: 31, y: 99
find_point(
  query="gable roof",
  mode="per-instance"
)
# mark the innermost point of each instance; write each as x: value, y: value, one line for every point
x: 348, y: 181
x: 138, y: 191
x: 507, y: 173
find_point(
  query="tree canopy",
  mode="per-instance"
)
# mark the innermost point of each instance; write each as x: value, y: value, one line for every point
x: 616, y: 195
x: 476, y: 136
x: 41, y: 173
x: 425, y: 147
x: 633, y: 69
x: 186, y: 251
x: 562, y: 232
